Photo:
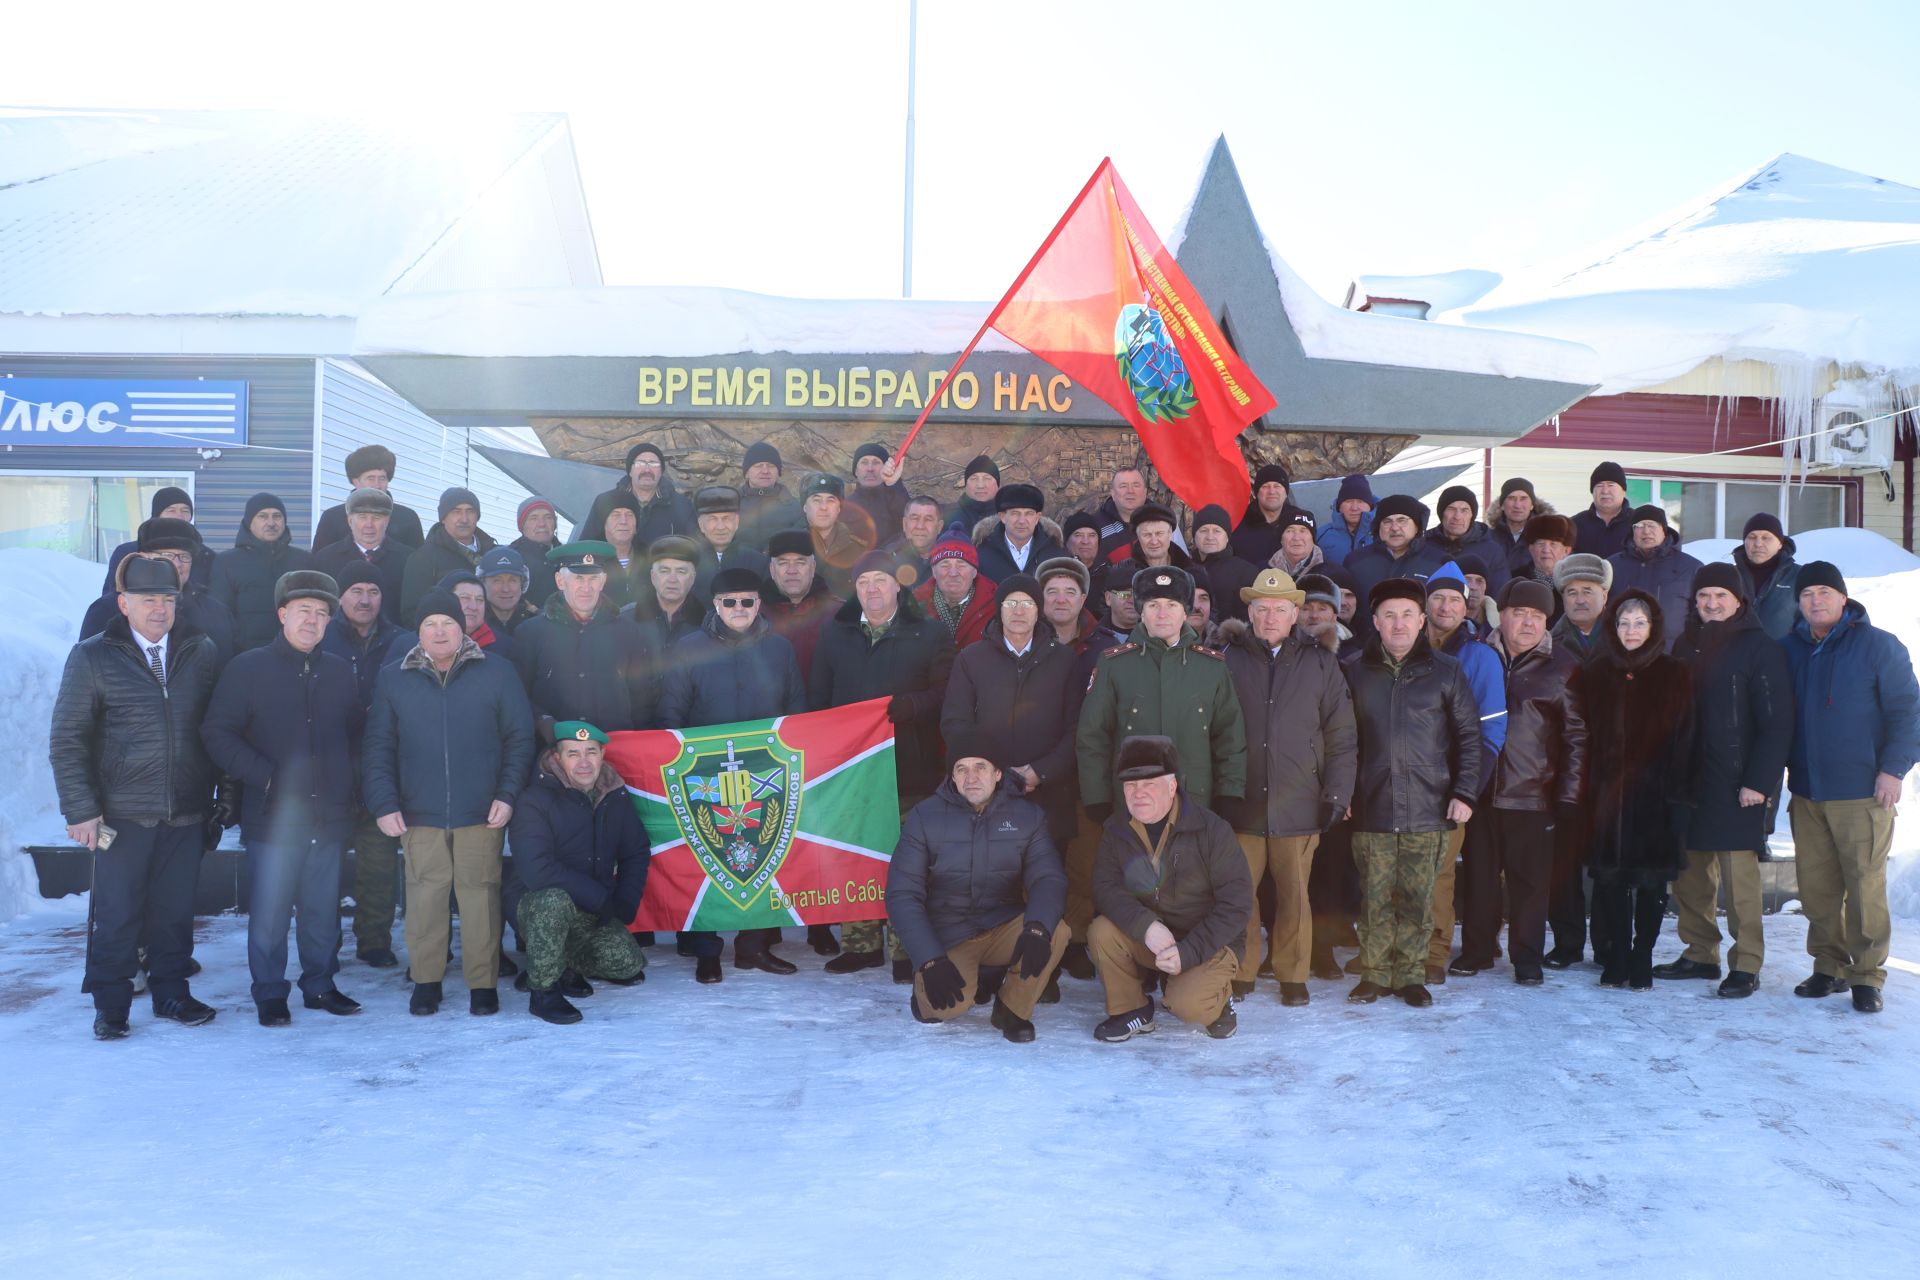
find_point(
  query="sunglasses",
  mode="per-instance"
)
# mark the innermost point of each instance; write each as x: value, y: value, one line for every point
x: 737, y: 602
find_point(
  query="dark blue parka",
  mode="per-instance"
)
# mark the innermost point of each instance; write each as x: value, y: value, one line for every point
x: 1858, y: 708
x: 441, y: 748
x: 719, y: 676
x: 1666, y: 574
x: 243, y: 582
x: 285, y: 723
x: 1770, y: 589
x: 590, y: 844
x: 957, y: 874
x: 367, y: 655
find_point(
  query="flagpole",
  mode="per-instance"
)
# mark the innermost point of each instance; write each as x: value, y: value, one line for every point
x: 906, y: 237
x: 1020, y: 280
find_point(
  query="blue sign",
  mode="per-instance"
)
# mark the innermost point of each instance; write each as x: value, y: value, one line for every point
x: 183, y: 413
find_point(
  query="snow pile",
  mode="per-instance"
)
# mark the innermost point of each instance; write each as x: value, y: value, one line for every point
x: 1441, y: 291
x: 1796, y: 264
x: 43, y: 596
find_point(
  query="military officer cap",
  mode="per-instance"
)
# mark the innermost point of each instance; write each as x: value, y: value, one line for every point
x: 583, y: 557
x: 821, y: 482
x: 1163, y: 582
x: 577, y: 731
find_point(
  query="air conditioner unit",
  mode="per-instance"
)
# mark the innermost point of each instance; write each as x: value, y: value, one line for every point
x: 1848, y: 437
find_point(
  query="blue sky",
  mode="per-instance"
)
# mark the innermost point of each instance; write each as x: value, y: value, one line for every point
x: 759, y: 146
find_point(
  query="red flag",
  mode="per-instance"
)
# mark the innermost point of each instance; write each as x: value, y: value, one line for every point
x: 1104, y: 302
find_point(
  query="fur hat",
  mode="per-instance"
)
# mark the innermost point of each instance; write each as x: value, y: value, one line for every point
x: 716, y: 499
x: 968, y: 744
x: 1064, y: 566
x: 1152, y: 511
x: 370, y: 457
x: 1584, y: 567
x: 790, y: 542
x: 371, y: 502
x: 1019, y: 495
x: 306, y: 584
x: 1549, y: 528
x: 881, y: 562
x: 821, y: 482
x: 163, y: 533
x: 1163, y: 582
x: 736, y: 580
x: 673, y: 546
x: 1145, y: 755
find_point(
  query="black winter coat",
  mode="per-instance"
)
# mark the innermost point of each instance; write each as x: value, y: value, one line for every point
x: 1029, y: 708
x: 199, y: 578
x: 1201, y: 890
x: 765, y: 512
x: 389, y: 565
x: 996, y: 559
x: 598, y: 671
x: 1771, y: 589
x: 1302, y: 746
x: 243, y: 582
x: 1639, y: 748
x: 1226, y: 574
x: 670, y: 511
x: 540, y: 574
x: 1419, y: 739
x: 1373, y: 564
x: 908, y: 665
x: 718, y: 676
x: 738, y: 555
x: 122, y: 747
x: 1544, y: 759
x: 1743, y: 730
x: 591, y: 845
x: 957, y: 874
x: 386, y: 643
x: 193, y: 609
x: 286, y: 724
x: 1479, y: 542
x: 1595, y: 537
x: 404, y: 527
x: 1666, y: 574
x: 437, y: 557
x: 440, y: 749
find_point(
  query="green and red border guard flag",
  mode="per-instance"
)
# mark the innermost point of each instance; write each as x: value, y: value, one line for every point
x: 1104, y: 302
x: 765, y: 824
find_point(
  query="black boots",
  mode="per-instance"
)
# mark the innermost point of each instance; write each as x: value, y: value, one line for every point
x: 707, y: 969
x: 551, y: 1006
x: 1077, y: 962
x: 184, y: 1010
x: 573, y: 986
x: 110, y: 1026
x: 1293, y: 994
x: 820, y: 938
x: 1012, y: 1025
x: 1820, y: 986
x: 854, y: 961
x: 1365, y: 993
x: 378, y: 958
x: 484, y: 1002
x: 1867, y: 1000
x: 426, y: 1000
x: 903, y: 971
x: 1416, y: 996
x: 1685, y: 968
x: 1739, y: 985
x: 273, y: 1013
x: 332, y: 1001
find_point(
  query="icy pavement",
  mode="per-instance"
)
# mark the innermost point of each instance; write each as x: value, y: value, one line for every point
x: 804, y: 1126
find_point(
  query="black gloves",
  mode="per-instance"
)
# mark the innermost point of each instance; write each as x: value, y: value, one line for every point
x: 899, y: 710
x: 942, y: 983
x: 1331, y: 814
x: 616, y: 912
x: 1033, y: 949
x: 1098, y: 814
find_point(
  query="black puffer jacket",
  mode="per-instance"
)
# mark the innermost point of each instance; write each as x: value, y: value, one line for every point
x: 908, y: 665
x: 287, y: 724
x: 540, y: 574
x: 1639, y: 748
x: 433, y: 560
x: 1302, y: 748
x: 597, y: 671
x: 1479, y: 542
x: 957, y: 874
x: 1743, y: 729
x: 440, y: 749
x: 719, y: 676
x: 1665, y: 573
x: 1029, y: 707
x: 1201, y: 890
x: 1226, y: 574
x: 669, y: 511
x: 121, y: 747
x: 192, y: 609
x: 1419, y: 738
x: 1544, y: 759
x: 243, y: 581
x: 199, y: 578
x: 1770, y: 589
x: 591, y: 845
x: 389, y: 564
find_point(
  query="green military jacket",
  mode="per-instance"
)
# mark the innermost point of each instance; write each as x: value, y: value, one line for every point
x: 1183, y: 692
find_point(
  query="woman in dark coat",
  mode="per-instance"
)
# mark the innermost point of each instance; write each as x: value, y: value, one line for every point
x: 1639, y: 743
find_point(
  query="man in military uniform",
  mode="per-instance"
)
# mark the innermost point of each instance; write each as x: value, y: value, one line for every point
x: 581, y: 856
x: 580, y: 659
x: 1162, y: 681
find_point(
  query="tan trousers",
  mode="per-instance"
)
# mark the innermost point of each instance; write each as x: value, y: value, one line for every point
x: 467, y: 859
x: 1840, y: 852
x: 1078, y: 856
x: 1289, y: 859
x: 995, y: 947
x: 1441, y: 948
x: 1696, y: 892
x: 1195, y: 995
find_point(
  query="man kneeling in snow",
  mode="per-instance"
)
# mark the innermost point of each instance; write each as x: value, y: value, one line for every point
x: 1174, y: 896
x: 976, y: 881
x: 580, y: 862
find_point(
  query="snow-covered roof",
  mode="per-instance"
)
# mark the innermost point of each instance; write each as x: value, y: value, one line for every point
x: 1440, y: 291
x: 1794, y: 263
x: 257, y: 213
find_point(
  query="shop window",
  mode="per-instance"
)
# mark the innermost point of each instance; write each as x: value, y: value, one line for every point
x: 85, y: 516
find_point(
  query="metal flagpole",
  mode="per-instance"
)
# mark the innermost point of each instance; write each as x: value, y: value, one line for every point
x: 906, y: 238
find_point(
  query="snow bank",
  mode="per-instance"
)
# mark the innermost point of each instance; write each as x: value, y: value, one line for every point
x: 43, y: 595
x: 1794, y: 264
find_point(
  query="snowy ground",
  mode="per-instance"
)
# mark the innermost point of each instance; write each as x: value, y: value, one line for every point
x: 805, y: 1126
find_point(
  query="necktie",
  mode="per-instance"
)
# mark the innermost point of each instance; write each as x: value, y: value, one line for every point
x: 153, y: 660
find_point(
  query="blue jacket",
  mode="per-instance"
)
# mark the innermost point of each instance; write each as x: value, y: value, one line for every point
x: 1373, y: 564
x: 1337, y: 542
x: 590, y: 844
x: 1666, y: 574
x: 441, y: 749
x: 1775, y: 601
x: 285, y: 723
x: 1859, y: 708
x: 1487, y: 678
x: 716, y: 676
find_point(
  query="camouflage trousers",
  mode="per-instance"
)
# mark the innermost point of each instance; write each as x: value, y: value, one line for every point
x: 376, y: 863
x: 864, y: 935
x: 1396, y: 904
x: 559, y: 935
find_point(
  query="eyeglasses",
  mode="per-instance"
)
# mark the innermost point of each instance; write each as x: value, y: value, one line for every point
x: 737, y: 602
x: 1121, y: 595
x: 1018, y: 602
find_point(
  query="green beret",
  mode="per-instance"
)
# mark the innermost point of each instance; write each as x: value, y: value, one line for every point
x: 589, y: 557
x: 577, y: 731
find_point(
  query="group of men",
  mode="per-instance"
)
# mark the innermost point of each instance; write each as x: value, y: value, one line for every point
x: 1121, y: 748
